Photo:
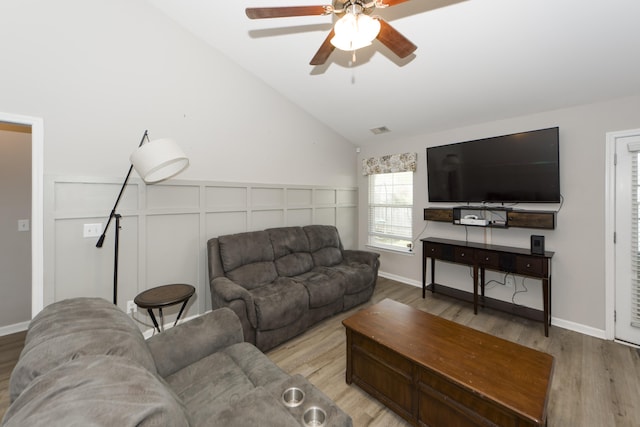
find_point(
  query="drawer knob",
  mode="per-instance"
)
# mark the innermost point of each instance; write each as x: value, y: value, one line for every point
x: 462, y: 254
x: 486, y: 259
x: 528, y: 265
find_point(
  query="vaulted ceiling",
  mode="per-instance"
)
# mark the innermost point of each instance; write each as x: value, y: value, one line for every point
x: 477, y: 60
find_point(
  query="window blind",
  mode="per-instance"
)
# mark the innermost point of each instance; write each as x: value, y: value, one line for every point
x: 390, y: 209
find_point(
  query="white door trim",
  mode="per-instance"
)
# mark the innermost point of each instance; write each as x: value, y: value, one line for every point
x: 37, y: 202
x: 609, y: 228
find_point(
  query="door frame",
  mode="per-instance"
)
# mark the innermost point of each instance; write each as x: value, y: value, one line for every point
x: 37, y: 202
x: 610, y: 228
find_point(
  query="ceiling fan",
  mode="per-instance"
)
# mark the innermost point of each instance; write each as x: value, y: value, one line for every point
x: 355, y: 28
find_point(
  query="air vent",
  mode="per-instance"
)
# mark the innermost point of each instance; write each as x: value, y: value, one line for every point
x: 380, y: 130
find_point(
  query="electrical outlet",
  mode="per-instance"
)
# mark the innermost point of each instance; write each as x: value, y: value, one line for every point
x: 131, y: 307
x: 510, y: 281
x: 92, y: 230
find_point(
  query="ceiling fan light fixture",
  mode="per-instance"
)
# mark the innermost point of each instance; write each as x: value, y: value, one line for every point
x: 355, y: 31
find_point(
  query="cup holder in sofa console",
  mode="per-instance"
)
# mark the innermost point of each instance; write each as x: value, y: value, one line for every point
x: 292, y: 397
x: 314, y: 417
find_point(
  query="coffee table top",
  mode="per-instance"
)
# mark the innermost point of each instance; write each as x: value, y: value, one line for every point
x: 513, y: 375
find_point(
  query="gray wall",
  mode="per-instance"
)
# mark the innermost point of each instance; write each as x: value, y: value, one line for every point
x: 15, y: 246
x: 578, y: 288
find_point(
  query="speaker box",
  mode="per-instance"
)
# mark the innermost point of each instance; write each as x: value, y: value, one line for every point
x: 537, y: 245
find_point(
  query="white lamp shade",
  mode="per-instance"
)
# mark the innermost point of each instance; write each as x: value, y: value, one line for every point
x: 158, y: 160
x: 353, y: 32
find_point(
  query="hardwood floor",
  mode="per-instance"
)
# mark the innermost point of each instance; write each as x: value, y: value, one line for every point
x: 10, y: 348
x: 596, y: 383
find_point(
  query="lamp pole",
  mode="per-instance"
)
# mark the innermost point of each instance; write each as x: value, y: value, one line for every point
x: 117, y: 217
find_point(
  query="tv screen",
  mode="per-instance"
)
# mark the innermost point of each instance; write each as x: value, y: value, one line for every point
x: 522, y: 167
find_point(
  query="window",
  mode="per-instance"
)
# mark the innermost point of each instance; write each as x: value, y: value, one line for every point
x: 390, y: 210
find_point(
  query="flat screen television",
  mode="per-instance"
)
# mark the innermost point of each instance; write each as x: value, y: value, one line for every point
x: 521, y: 167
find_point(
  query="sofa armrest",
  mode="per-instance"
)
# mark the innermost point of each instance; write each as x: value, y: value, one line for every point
x: 363, y: 257
x: 191, y: 341
x: 224, y: 290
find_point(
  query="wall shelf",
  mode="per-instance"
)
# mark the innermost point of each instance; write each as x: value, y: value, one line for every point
x: 499, y: 217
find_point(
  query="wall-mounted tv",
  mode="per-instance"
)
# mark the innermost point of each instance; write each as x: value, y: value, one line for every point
x: 521, y: 167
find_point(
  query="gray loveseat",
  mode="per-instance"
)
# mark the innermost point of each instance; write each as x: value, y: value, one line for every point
x: 281, y: 281
x: 85, y: 363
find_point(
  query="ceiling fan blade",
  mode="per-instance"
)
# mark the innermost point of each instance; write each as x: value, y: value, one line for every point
x: 392, y: 2
x: 325, y: 50
x: 391, y: 38
x: 283, y: 12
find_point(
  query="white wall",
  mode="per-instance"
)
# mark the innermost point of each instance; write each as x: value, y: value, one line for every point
x: 101, y: 72
x: 578, y: 288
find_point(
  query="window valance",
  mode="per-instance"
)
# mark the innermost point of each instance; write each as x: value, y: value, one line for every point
x: 405, y: 162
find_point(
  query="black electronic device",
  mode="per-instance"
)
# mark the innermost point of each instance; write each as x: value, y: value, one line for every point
x: 537, y: 245
x: 521, y: 167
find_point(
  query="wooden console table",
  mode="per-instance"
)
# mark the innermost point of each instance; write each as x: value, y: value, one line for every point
x: 435, y: 372
x: 480, y: 257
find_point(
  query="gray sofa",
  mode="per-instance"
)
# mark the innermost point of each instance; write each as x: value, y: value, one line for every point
x: 85, y: 363
x: 281, y: 281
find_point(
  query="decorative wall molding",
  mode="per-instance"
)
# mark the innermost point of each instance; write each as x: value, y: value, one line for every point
x: 165, y: 228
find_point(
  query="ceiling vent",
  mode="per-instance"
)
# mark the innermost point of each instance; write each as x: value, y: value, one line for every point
x: 380, y: 130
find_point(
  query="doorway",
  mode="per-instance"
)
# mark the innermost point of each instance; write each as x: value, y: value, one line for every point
x: 35, y: 223
x: 623, y: 244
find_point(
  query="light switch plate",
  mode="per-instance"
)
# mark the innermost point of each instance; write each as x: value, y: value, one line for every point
x: 23, y: 225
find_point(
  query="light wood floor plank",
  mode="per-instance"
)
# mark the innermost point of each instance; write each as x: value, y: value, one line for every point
x: 596, y: 383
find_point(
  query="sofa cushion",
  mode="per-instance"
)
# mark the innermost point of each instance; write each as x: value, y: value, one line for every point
x: 324, y: 287
x: 291, y: 250
x: 357, y: 277
x: 217, y: 382
x: 247, y: 258
x: 324, y: 244
x: 71, y: 328
x: 279, y: 303
x: 97, y: 390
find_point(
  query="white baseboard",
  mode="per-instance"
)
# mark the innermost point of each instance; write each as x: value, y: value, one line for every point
x: 151, y: 332
x: 578, y: 327
x: 12, y: 329
x: 561, y: 323
x: 400, y: 279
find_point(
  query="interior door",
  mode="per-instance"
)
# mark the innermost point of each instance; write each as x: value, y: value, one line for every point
x: 627, y: 246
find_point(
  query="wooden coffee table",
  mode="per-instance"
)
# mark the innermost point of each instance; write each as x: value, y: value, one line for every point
x: 435, y: 372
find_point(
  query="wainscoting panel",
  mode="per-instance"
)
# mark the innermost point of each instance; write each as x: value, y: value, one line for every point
x: 164, y: 231
x: 299, y: 217
x: 173, y: 197
x: 226, y: 197
x: 299, y: 197
x: 325, y: 216
x: 221, y: 223
x: 261, y: 220
x: 75, y: 197
x: 267, y: 197
x: 325, y: 197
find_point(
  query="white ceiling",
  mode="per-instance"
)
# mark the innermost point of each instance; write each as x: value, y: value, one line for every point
x: 477, y: 60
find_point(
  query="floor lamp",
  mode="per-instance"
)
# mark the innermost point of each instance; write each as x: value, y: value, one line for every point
x: 154, y: 161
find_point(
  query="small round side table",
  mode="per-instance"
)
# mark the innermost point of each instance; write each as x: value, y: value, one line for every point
x: 164, y: 296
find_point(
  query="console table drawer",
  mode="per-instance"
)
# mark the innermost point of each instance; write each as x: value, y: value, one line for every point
x: 531, y: 266
x: 463, y: 255
x: 488, y: 259
x: 435, y: 250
